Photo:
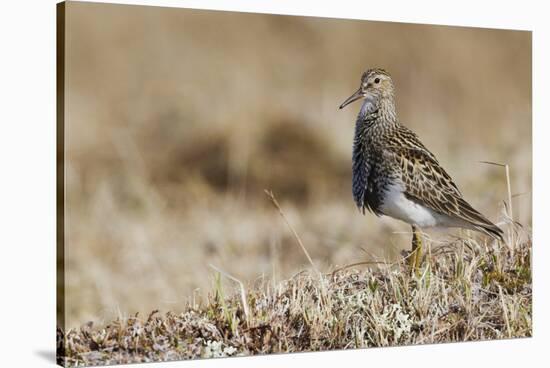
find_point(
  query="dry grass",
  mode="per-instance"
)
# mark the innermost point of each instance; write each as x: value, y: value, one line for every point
x: 467, y: 290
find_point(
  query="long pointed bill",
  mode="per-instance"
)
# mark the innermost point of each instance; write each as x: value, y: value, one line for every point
x: 354, y: 97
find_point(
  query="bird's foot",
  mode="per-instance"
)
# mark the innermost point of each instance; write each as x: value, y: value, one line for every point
x: 414, y: 257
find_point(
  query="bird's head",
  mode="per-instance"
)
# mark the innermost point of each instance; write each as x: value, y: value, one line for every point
x: 376, y: 85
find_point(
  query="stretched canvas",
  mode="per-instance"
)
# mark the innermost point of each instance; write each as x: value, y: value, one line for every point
x: 236, y: 184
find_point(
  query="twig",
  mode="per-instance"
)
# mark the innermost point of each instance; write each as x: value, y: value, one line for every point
x: 243, y: 293
x: 271, y: 196
x: 509, y: 187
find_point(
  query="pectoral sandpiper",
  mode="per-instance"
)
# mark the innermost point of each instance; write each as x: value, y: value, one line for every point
x: 395, y: 175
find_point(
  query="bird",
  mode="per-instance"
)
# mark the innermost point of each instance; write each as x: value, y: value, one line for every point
x: 395, y: 175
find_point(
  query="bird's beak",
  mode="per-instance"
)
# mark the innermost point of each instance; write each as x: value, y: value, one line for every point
x: 354, y: 97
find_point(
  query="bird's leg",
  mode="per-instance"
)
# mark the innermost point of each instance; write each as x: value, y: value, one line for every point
x: 415, y: 258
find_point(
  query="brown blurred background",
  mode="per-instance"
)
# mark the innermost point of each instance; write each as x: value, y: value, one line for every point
x: 177, y: 120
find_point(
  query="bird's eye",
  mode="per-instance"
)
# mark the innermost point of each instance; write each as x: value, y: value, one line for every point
x: 377, y: 80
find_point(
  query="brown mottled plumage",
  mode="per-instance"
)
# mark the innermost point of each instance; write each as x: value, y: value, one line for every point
x: 394, y: 174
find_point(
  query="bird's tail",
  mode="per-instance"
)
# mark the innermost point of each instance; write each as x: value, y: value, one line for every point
x: 490, y: 229
x: 478, y: 221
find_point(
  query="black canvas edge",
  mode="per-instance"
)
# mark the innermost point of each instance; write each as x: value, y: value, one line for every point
x: 60, y: 183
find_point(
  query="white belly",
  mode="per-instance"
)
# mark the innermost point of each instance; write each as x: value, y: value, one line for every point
x: 396, y: 205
